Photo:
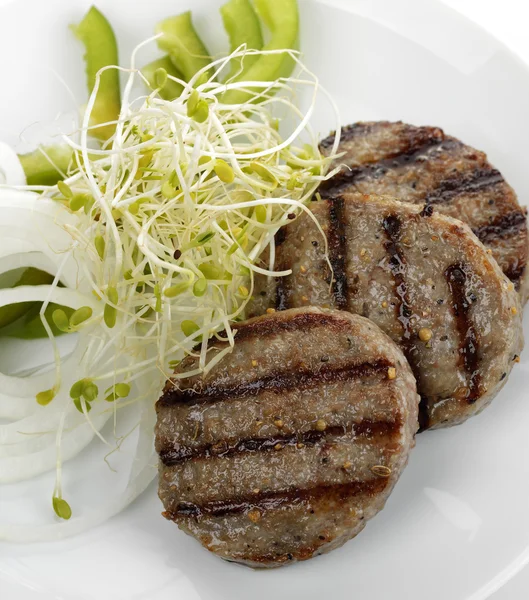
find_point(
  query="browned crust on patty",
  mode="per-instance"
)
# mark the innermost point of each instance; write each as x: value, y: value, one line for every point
x: 295, y: 439
x: 422, y: 165
x: 389, y: 251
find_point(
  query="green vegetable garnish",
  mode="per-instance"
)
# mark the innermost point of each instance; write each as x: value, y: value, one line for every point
x: 101, y: 48
x: 281, y: 17
x: 80, y: 316
x: 65, y: 190
x: 224, y: 171
x: 78, y: 201
x: 90, y: 392
x: 44, y: 398
x: 30, y: 326
x: 189, y: 327
x: 169, y: 222
x: 192, y: 103
x: 260, y: 213
x: 99, y: 243
x: 81, y: 403
x: 210, y: 271
x: 61, y: 320
x: 243, y: 27
x: 110, y: 312
x: 175, y: 290
x: 62, y: 508
x: 12, y: 312
x: 120, y: 390
x: 200, y: 287
x: 183, y: 44
x: 46, y: 166
x: 77, y: 388
x: 170, y: 89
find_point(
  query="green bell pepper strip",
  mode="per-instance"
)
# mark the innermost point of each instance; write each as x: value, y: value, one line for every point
x: 12, y: 312
x: 282, y: 18
x: 171, y: 89
x: 243, y: 27
x: 96, y: 33
x: 265, y: 9
x: 41, y: 170
x: 30, y: 327
x: 181, y: 41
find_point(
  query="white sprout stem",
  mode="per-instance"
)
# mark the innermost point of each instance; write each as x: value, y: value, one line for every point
x: 186, y: 207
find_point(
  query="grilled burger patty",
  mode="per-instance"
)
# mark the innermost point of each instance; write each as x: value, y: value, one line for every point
x: 422, y: 165
x: 423, y: 278
x: 290, y: 443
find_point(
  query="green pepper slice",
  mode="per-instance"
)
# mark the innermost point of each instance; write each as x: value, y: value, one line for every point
x: 96, y: 33
x: 282, y: 18
x: 183, y: 44
x: 171, y: 89
x: 243, y: 27
x: 46, y: 166
x: 12, y: 312
x: 30, y: 327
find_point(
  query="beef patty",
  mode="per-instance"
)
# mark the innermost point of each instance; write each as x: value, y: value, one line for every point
x: 423, y: 278
x: 288, y: 445
x: 422, y: 165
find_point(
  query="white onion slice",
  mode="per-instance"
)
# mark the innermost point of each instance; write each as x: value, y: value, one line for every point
x: 46, y: 260
x: 36, y: 260
x: 27, y: 386
x: 143, y: 470
x: 13, y: 408
x: 43, y: 293
x: 11, y: 171
x: 42, y: 418
x: 57, y: 531
x: 18, y: 468
x: 24, y: 200
x: 12, y: 245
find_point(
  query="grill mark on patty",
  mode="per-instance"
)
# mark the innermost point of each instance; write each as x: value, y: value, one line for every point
x: 397, y: 263
x: 464, y: 183
x: 283, y: 284
x: 375, y: 170
x: 338, y: 492
x: 479, y: 178
x: 502, y: 226
x: 223, y: 448
x: 276, y: 382
x: 337, y: 240
x: 456, y: 276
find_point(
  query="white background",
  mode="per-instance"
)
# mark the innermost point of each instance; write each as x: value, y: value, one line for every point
x: 508, y: 20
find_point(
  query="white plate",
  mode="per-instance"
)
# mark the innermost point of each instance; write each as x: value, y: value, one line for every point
x: 457, y: 525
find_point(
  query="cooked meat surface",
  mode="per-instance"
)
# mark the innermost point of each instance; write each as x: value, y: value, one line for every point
x: 422, y: 165
x: 423, y: 278
x: 288, y: 445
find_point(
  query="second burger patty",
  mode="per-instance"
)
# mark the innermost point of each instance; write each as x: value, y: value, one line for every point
x: 423, y: 278
x: 423, y: 165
